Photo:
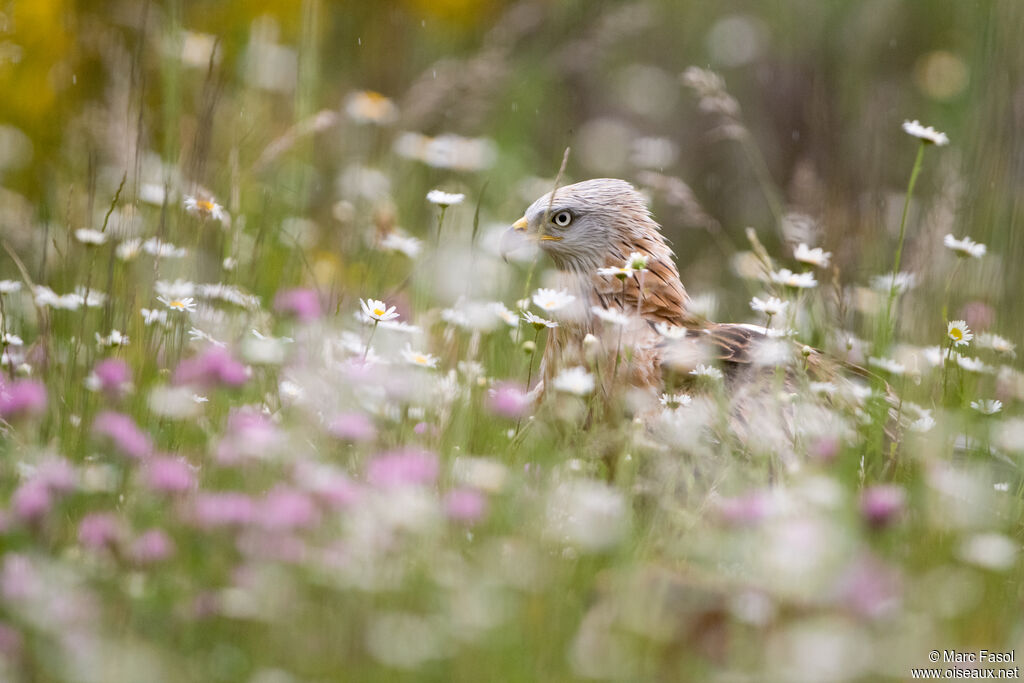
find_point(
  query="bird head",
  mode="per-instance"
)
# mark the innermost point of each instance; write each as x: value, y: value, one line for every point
x: 579, y: 225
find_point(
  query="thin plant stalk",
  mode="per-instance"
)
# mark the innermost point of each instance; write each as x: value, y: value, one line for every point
x: 764, y: 178
x: 889, y: 329
x: 366, y: 351
x: 618, y: 344
x: 946, y: 358
x: 440, y: 222
x: 529, y: 373
x: 3, y: 335
x: 949, y: 285
x: 639, y: 292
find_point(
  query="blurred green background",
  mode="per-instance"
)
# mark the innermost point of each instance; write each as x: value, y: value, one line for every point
x: 823, y: 86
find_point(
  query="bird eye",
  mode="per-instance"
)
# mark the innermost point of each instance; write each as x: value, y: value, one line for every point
x: 562, y: 219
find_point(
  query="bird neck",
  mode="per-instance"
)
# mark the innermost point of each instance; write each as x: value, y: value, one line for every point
x: 655, y: 294
x: 582, y: 262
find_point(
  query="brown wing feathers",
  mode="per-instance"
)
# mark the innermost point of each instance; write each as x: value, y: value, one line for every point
x: 663, y: 298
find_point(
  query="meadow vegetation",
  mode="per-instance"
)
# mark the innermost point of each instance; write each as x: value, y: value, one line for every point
x: 264, y: 409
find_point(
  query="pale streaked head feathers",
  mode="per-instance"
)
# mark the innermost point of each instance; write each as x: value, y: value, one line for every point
x: 609, y: 220
x: 603, y: 214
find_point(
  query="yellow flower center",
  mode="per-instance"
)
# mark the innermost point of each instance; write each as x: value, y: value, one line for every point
x: 205, y: 205
x: 956, y: 334
x: 373, y: 105
x: 549, y: 304
x: 379, y: 311
x: 177, y: 304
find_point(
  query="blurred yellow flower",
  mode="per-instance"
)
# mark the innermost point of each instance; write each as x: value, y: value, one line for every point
x: 369, y: 106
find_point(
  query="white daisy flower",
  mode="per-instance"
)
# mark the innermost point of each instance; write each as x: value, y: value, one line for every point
x: 922, y: 424
x: 195, y: 334
x: 574, y: 380
x: 552, y: 299
x: 185, y: 304
x: 965, y: 247
x: 128, y: 250
x: 1002, y: 486
x: 708, y: 371
x: 177, y: 289
x: 933, y: 355
x: 154, y: 315
x: 823, y: 388
x: 160, y: 249
x: 815, y: 257
x: 89, y: 298
x: 44, y: 296
x: 506, y: 316
x: 994, y: 342
x: 447, y: 151
x: 903, y: 282
x: 987, y: 406
x: 114, y: 339
x: 91, y: 238
x: 796, y: 280
x: 410, y: 246
x: 472, y: 370
x: 537, y: 321
x: 266, y: 337
x: 925, y: 134
x: 888, y: 365
x: 621, y: 272
x: 770, y: 306
x: 445, y: 199
x: 368, y: 106
x: 610, y: 315
x: 11, y: 340
x: 66, y: 302
x: 475, y: 316
x: 974, y: 365
x: 991, y: 550
x: 671, y: 332
x: 230, y: 293
x: 637, y: 262
x: 703, y: 305
x: 377, y: 310
x: 775, y: 353
x: 9, y: 286
x: 675, y: 400
x: 152, y: 193
x: 958, y: 331
x: 175, y: 403
x: 456, y: 317
x: 423, y: 360
x: 400, y: 326
x: 206, y: 209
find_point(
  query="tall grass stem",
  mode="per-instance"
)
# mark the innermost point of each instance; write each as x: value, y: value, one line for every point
x: 889, y: 328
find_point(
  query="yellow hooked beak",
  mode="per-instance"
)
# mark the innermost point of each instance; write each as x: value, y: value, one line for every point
x: 518, y: 235
x: 521, y: 225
